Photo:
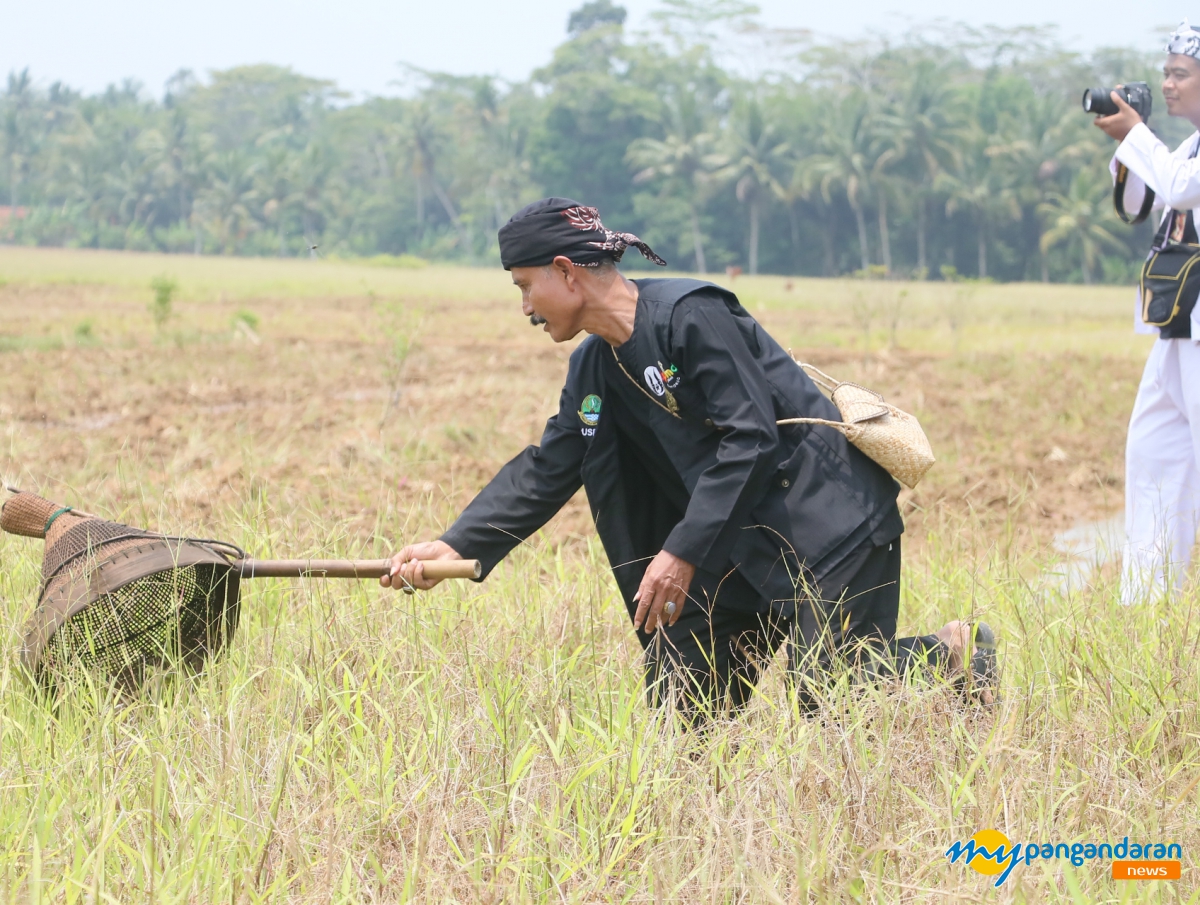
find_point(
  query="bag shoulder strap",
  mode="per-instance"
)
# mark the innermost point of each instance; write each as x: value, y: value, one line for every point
x: 823, y: 380
x: 838, y: 425
x: 819, y: 377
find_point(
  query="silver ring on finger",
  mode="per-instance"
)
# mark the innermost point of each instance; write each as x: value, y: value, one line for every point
x: 670, y: 608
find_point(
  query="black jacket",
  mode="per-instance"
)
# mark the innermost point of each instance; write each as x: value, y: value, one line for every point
x: 700, y: 374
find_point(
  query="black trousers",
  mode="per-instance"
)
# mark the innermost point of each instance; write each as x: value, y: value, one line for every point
x: 709, y: 661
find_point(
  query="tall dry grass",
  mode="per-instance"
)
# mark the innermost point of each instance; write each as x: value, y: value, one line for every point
x: 491, y: 742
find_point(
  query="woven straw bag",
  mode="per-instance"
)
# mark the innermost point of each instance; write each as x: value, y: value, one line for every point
x: 891, y: 437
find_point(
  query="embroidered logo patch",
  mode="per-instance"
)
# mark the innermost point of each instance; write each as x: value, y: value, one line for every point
x: 670, y: 376
x: 654, y: 380
x: 589, y: 412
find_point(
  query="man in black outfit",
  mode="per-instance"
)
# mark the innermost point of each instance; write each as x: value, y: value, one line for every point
x: 727, y: 533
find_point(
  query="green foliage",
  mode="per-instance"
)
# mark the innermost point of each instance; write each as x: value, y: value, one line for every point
x: 593, y: 14
x: 1077, y: 218
x: 906, y: 156
x: 164, y: 291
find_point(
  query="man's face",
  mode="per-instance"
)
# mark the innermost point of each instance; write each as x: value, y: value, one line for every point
x: 553, y: 294
x: 1181, y: 86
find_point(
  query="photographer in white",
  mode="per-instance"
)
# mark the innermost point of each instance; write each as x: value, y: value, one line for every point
x: 1162, y: 452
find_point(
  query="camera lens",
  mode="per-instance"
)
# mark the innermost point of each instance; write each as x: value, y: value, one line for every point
x: 1098, y: 102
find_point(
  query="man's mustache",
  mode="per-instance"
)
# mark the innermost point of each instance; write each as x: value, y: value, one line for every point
x: 536, y: 320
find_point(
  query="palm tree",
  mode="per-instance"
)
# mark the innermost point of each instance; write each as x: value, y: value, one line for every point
x: 273, y: 180
x: 225, y: 204
x: 424, y: 142
x: 17, y: 129
x: 798, y: 188
x: 680, y: 160
x: 131, y: 184
x: 925, y: 122
x: 887, y: 151
x: 980, y: 187
x: 845, y: 162
x: 503, y: 143
x: 1078, y: 219
x: 754, y: 153
x: 1040, y: 145
x: 310, y: 172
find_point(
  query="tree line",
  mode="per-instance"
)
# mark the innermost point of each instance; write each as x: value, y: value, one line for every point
x: 944, y: 155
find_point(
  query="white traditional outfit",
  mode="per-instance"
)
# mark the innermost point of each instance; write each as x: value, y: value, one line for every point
x: 1162, y: 451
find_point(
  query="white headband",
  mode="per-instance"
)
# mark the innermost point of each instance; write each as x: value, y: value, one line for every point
x: 1185, y: 40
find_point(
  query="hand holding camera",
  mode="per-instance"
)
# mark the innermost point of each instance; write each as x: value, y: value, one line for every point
x: 1119, y: 109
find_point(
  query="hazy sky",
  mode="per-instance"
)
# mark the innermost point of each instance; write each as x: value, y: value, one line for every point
x: 358, y: 43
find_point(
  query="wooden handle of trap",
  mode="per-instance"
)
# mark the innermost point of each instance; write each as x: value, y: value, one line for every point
x: 435, y: 569
x: 28, y: 514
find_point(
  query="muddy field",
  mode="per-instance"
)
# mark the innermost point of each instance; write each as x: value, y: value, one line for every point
x: 387, y: 397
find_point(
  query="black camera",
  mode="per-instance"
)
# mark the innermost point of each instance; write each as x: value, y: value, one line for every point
x: 1135, y: 94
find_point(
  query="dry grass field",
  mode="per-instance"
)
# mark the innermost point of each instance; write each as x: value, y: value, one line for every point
x: 490, y: 742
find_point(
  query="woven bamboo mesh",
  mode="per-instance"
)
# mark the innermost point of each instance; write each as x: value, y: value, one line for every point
x: 890, y: 436
x: 119, y: 601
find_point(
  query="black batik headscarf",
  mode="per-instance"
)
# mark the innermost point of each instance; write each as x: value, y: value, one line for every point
x: 539, y: 233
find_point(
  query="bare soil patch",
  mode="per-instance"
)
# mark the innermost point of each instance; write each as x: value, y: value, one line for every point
x: 322, y: 410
